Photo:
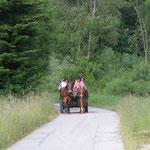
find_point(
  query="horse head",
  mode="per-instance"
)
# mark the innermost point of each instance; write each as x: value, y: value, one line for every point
x: 81, y: 91
x: 69, y: 87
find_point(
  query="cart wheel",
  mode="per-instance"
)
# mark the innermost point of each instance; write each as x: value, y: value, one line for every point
x: 86, y: 107
x: 61, y: 106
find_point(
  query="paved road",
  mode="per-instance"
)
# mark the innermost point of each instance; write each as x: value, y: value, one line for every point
x: 96, y: 130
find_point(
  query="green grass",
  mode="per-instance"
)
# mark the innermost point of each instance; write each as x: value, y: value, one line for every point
x: 56, y: 97
x: 21, y: 116
x: 109, y: 102
x: 135, y: 121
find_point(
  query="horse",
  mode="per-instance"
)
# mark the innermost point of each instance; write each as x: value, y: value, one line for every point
x: 83, y: 96
x: 66, y: 94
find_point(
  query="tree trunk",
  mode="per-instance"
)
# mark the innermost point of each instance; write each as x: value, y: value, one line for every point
x: 90, y: 32
x: 78, y: 4
x: 79, y: 44
x: 143, y: 31
x: 80, y: 38
x: 89, y: 44
x: 146, y: 40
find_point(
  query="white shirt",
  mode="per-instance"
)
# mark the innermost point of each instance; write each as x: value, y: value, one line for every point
x: 63, y: 84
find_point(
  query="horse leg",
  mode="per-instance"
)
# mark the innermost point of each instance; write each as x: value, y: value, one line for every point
x: 67, y: 110
x: 65, y: 104
x: 84, y: 104
x: 69, y: 101
x: 68, y: 106
x: 81, y: 105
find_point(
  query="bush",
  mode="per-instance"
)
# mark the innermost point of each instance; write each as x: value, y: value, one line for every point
x: 55, y: 73
x: 118, y: 86
x: 128, y: 61
x: 84, y: 68
x: 141, y: 87
x: 140, y: 71
x: 134, y: 81
x: 110, y: 63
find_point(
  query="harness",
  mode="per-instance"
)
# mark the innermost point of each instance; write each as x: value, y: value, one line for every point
x: 66, y: 86
x: 83, y: 95
x: 66, y: 89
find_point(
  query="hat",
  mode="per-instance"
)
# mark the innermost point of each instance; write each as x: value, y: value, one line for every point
x: 78, y: 77
x: 65, y: 79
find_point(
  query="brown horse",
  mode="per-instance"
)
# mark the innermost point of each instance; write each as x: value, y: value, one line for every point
x: 66, y: 94
x: 83, y: 96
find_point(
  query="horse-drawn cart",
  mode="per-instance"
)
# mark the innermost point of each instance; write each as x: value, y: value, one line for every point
x: 73, y: 104
x: 70, y: 98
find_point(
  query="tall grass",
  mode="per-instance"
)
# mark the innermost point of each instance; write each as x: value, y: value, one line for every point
x: 135, y: 121
x: 18, y: 117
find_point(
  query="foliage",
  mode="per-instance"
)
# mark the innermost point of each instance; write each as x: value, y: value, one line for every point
x: 55, y: 71
x: 120, y: 86
x: 44, y: 41
x: 135, y: 81
x: 17, y: 26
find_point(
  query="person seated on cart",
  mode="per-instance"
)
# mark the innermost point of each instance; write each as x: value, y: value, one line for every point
x: 76, y: 85
x: 60, y: 85
x: 63, y: 84
x: 82, y: 83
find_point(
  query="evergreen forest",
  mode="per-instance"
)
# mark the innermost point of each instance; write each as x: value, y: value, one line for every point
x: 105, y: 41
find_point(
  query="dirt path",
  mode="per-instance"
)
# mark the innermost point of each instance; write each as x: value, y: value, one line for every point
x: 96, y: 130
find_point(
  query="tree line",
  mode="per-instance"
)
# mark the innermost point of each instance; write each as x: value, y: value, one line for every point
x: 102, y: 40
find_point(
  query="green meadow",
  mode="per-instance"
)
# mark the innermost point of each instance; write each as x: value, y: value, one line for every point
x: 21, y: 116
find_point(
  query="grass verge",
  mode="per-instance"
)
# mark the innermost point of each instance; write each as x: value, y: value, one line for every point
x: 19, y: 117
x: 109, y: 102
x: 135, y: 121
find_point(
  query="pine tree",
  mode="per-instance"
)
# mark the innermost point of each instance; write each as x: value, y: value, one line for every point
x: 18, y: 56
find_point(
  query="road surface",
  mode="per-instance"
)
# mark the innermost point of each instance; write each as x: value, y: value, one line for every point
x: 96, y: 130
